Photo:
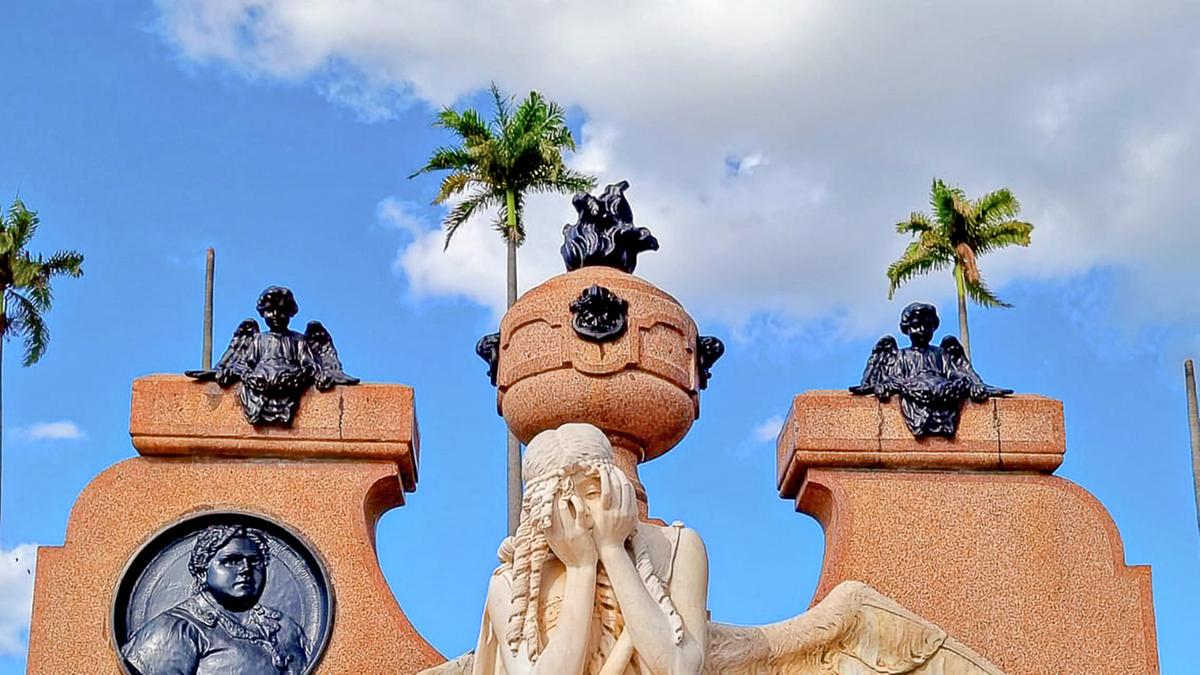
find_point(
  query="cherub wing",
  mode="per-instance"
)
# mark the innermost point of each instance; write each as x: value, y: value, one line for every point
x: 325, y: 357
x: 877, y: 376
x: 854, y: 630
x: 957, y: 363
x: 235, y: 362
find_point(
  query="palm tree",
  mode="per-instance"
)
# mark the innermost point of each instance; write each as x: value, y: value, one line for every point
x: 494, y: 166
x: 25, y: 292
x: 960, y: 231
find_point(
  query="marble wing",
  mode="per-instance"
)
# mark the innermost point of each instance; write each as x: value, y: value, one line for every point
x: 853, y: 631
x: 957, y: 363
x: 325, y: 357
x: 877, y: 376
x: 235, y: 362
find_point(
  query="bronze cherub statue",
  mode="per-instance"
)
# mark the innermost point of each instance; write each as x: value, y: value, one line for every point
x: 932, y: 382
x: 276, y: 367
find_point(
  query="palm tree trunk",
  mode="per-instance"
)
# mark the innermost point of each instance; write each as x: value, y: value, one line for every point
x: 961, y: 286
x: 1189, y: 375
x: 514, y: 446
x: 3, y: 331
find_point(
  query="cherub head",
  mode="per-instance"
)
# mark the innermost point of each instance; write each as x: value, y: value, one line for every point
x: 919, y: 321
x: 277, y: 306
x: 229, y: 562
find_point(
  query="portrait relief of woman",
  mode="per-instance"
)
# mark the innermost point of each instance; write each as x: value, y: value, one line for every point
x: 222, y: 627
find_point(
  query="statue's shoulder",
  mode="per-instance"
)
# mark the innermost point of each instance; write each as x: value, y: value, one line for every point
x: 174, y: 637
x: 670, y: 545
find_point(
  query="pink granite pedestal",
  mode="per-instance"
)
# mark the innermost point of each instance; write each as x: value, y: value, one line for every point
x: 971, y: 533
x: 350, y: 456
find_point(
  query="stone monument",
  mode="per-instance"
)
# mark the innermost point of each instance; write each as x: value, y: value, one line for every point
x: 241, y: 539
x: 229, y: 546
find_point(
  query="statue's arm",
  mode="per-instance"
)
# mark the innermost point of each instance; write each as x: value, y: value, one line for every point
x: 647, y: 622
x: 689, y: 591
x: 566, y: 646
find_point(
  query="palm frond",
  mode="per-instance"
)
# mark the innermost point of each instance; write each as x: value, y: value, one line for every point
x: 64, y: 263
x: 1003, y: 234
x: 980, y: 294
x: 40, y: 293
x: 503, y: 109
x: 936, y: 241
x: 917, y: 222
x: 997, y: 206
x: 21, y: 223
x: 916, y: 260
x: 468, y: 124
x: 452, y: 185
x: 463, y: 211
x: 566, y: 181
x: 446, y: 159
x: 26, y: 320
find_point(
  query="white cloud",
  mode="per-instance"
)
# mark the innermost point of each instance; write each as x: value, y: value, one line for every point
x: 1087, y: 110
x: 402, y: 215
x: 63, y: 430
x: 16, y: 596
x: 767, y: 430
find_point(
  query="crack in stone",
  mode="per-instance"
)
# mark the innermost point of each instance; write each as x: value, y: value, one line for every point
x: 341, y: 414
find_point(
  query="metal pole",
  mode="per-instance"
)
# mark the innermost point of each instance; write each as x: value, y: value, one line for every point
x: 1189, y: 374
x: 206, y: 357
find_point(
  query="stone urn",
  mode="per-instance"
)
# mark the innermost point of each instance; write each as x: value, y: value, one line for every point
x: 602, y: 346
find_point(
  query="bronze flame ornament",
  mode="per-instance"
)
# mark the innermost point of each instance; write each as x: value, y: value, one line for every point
x: 605, y: 234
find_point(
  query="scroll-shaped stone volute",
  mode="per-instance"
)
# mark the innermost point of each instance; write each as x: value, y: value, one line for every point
x: 708, y: 350
x: 276, y: 367
x: 605, y: 234
x: 488, y: 349
x: 932, y: 382
x: 599, y: 314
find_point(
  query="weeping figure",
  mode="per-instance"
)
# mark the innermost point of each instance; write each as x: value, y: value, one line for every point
x: 583, y: 586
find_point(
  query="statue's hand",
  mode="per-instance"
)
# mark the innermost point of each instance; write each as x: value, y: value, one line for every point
x: 568, y: 535
x: 614, y: 521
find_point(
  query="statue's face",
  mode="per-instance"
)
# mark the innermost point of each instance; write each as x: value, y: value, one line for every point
x: 587, y: 486
x: 920, y: 328
x: 276, y: 317
x: 237, y: 574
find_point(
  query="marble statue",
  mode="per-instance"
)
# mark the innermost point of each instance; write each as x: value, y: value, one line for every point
x: 932, y: 382
x: 222, y: 627
x: 276, y: 367
x: 584, y: 587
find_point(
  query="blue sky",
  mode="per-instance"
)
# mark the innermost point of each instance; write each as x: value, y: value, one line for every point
x: 769, y: 159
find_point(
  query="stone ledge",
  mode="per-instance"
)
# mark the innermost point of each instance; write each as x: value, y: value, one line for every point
x: 837, y: 429
x: 174, y: 416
